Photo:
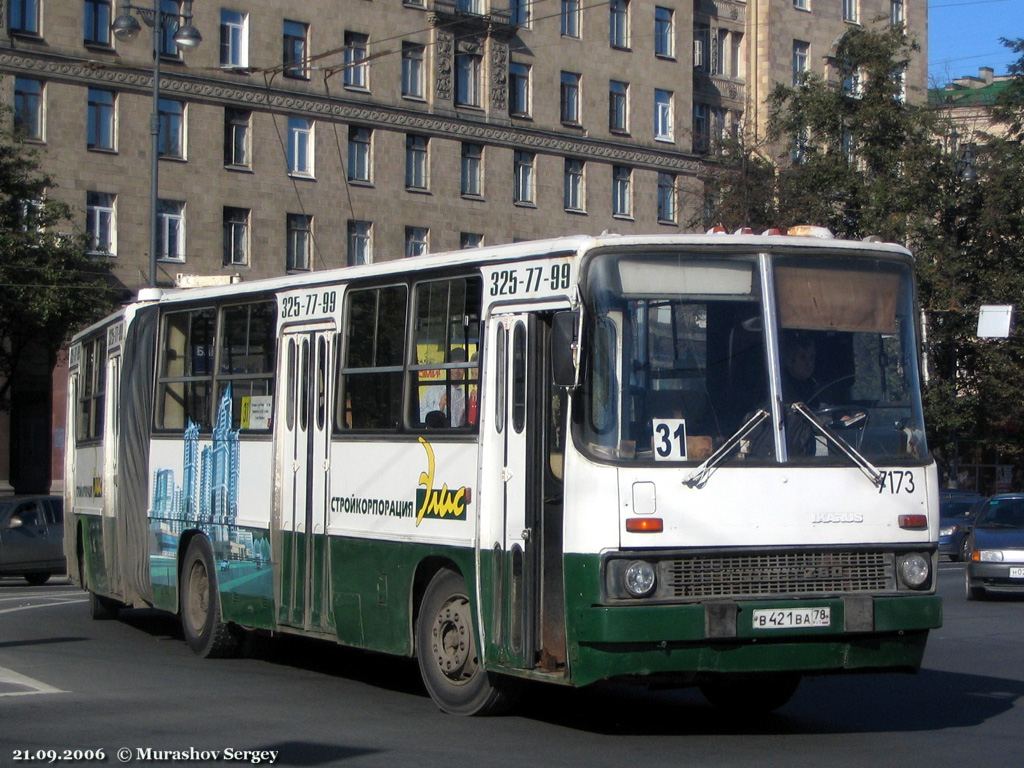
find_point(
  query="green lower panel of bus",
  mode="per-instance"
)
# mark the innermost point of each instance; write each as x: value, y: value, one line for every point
x: 94, y: 555
x: 739, y: 636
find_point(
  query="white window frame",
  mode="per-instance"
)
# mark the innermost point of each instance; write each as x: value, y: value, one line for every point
x: 470, y: 240
x: 570, y: 19
x: 417, y: 241
x: 417, y: 162
x: 95, y: 213
x: 357, y: 71
x: 574, y: 188
x: 664, y: 129
x: 897, y: 12
x: 569, y: 97
x: 851, y: 11
x: 413, y: 71
x: 301, y: 135
x: 360, y: 154
x: 169, y: 221
x: 524, y: 175
x: 664, y: 33
x: 471, y: 169
x: 668, y: 198
x: 360, y: 242
x: 618, y: 24
x: 801, y: 59
x: 622, y: 191
x: 234, y: 39
x: 236, y: 250
x: 613, y: 101
x: 468, y: 67
x: 802, y: 5
x: 298, y: 255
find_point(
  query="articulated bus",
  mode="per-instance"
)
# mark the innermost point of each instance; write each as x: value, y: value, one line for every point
x: 685, y: 460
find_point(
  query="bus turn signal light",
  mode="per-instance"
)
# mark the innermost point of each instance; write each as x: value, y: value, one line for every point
x: 645, y: 525
x: 913, y: 522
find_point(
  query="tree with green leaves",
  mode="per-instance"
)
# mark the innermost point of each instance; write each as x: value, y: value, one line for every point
x: 50, y: 285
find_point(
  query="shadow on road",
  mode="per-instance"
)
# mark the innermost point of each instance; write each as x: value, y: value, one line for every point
x: 41, y: 641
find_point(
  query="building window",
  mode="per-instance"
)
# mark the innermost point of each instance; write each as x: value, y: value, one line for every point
x: 897, y: 12
x: 467, y: 79
x: 359, y: 158
x: 236, y: 237
x: 851, y: 11
x: 664, y: 32
x: 96, y: 22
x: 700, y: 127
x: 416, y: 241
x: 618, y: 106
x: 300, y: 146
x: 101, y: 223
x: 237, y: 150
x: 570, y: 18
x: 170, y: 215
x: 622, y: 198
x: 801, y: 60
x: 518, y: 89
x: 28, y: 108
x: 412, y: 71
x: 618, y: 23
x: 802, y: 5
x: 523, y: 190
x: 702, y: 47
x: 570, y: 98
x: 469, y: 6
x: 519, y: 12
x: 171, y: 10
x: 296, y: 40
x: 667, y: 198
x: 300, y: 241
x: 357, y: 71
x: 24, y: 16
x: 573, y: 187
x: 172, y: 129
x: 360, y: 243
x: 416, y: 162
x: 100, y: 131
x: 472, y: 169
x: 663, y: 115
x: 735, y: 57
x: 234, y: 38
x: 470, y: 240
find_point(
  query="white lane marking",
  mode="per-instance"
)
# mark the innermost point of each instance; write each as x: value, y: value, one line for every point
x: 40, y: 595
x: 11, y: 677
x: 44, y: 605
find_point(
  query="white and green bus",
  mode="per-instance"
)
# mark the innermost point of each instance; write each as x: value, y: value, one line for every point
x: 695, y: 460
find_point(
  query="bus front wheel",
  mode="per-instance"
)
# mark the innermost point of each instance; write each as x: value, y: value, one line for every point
x: 750, y: 694
x: 446, y: 651
x: 206, y: 634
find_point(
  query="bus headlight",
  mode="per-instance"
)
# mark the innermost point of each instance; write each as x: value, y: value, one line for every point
x: 639, y: 578
x: 914, y: 570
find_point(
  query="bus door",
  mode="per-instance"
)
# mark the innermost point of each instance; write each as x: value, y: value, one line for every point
x: 304, y: 456
x: 513, y: 478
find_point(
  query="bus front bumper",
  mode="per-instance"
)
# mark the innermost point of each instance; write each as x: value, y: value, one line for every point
x: 686, y: 641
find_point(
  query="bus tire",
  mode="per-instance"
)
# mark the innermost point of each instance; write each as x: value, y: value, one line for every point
x: 103, y: 608
x: 37, y: 579
x: 206, y: 634
x: 750, y: 694
x: 446, y: 651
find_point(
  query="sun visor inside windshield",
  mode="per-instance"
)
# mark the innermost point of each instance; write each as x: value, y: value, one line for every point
x: 837, y: 299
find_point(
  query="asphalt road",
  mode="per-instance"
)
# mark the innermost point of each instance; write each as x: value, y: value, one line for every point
x: 67, y: 682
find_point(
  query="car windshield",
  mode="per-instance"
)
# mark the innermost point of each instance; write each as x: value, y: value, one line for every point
x: 1002, y: 513
x: 956, y: 509
x: 676, y: 357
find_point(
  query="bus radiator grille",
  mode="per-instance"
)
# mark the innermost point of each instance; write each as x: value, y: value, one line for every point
x: 783, y: 574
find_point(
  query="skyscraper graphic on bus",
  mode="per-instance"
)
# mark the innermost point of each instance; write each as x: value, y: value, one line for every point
x: 208, y: 496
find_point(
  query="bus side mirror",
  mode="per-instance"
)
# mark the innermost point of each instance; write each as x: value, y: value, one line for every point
x: 564, y: 344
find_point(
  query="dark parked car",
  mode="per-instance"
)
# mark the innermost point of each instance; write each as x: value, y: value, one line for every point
x: 32, y: 537
x: 956, y: 514
x: 996, y: 544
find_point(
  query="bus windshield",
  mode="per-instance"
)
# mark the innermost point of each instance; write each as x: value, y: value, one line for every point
x: 676, y: 358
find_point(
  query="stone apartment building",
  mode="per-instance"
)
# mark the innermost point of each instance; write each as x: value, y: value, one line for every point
x: 313, y: 135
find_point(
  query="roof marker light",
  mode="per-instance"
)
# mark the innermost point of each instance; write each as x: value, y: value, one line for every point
x: 809, y: 230
x: 718, y: 229
x: 744, y: 231
x: 774, y: 231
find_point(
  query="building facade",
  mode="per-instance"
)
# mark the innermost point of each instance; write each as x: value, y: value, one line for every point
x: 303, y: 136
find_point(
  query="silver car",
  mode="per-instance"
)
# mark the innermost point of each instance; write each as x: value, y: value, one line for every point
x: 32, y: 537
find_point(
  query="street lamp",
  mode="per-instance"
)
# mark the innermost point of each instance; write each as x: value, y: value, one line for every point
x: 126, y: 27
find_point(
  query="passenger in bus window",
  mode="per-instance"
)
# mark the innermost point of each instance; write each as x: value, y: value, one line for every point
x: 453, y: 401
x: 799, y: 356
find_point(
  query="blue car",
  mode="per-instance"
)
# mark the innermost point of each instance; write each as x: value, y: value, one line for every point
x: 956, y: 513
x: 996, y: 545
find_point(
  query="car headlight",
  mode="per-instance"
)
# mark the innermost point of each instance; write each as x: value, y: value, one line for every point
x: 949, y: 530
x: 639, y: 578
x: 990, y: 556
x: 914, y: 570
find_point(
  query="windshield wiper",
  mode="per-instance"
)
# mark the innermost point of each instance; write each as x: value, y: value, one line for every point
x: 869, y: 469
x: 700, y: 474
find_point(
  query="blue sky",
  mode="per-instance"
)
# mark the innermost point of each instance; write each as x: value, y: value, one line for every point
x: 964, y: 35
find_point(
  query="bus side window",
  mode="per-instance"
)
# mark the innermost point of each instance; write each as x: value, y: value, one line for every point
x: 186, y: 369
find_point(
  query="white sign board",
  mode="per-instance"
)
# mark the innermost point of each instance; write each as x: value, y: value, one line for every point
x: 994, y: 321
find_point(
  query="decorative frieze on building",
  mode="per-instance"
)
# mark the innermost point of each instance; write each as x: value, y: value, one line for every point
x: 443, y: 56
x: 499, y: 76
x: 339, y: 109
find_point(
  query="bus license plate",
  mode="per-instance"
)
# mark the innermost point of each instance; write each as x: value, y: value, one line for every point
x: 787, y: 618
x: 1017, y: 573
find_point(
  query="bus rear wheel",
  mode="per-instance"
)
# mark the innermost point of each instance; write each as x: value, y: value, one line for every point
x: 446, y: 651
x: 750, y: 694
x: 206, y: 634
